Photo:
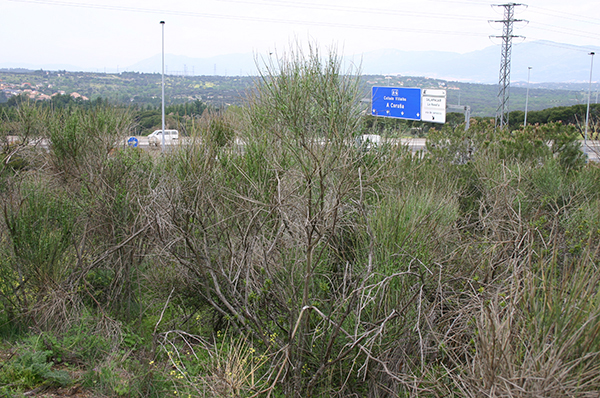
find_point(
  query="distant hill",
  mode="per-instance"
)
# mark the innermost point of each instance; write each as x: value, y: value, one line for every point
x: 552, y: 63
x: 222, y: 65
x: 144, y: 89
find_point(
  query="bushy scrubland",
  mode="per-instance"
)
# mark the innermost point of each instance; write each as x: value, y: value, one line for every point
x: 272, y: 257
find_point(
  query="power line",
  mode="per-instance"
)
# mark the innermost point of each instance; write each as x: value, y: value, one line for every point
x: 470, y: 2
x: 248, y: 18
x: 362, y: 10
x: 558, y: 45
x: 565, y: 15
x: 566, y: 31
x: 581, y: 33
x: 297, y: 4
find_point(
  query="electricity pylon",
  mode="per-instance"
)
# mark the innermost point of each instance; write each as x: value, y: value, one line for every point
x: 504, y: 80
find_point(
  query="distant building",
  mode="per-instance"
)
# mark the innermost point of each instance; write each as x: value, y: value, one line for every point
x: 10, y: 92
x: 77, y: 95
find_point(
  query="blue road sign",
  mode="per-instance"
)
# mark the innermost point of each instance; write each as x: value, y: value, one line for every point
x: 397, y: 102
x: 132, y: 142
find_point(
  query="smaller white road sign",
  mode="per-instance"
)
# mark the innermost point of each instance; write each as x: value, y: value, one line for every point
x: 433, y: 106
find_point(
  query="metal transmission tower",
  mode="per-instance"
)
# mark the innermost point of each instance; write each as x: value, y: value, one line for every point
x: 504, y: 81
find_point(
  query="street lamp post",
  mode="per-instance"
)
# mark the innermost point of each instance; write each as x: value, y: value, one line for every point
x: 587, y: 113
x: 163, y: 86
x: 527, y: 97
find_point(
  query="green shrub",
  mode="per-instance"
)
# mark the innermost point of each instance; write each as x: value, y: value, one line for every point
x: 30, y: 369
x: 220, y: 131
x: 81, y: 140
x: 40, y: 228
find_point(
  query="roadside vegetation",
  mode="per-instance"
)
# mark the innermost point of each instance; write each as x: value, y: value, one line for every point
x: 273, y: 257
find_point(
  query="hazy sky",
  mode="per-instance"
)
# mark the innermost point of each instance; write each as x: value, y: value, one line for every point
x: 118, y: 33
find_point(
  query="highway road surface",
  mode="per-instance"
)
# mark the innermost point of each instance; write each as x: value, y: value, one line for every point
x: 592, y: 148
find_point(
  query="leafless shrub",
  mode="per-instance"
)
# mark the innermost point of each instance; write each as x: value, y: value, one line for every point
x: 280, y: 242
x: 527, y: 309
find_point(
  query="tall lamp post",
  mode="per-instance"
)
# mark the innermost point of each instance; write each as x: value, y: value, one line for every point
x: 163, y: 86
x: 527, y: 97
x: 587, y: 113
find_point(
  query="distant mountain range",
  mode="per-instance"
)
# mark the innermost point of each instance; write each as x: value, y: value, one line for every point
x: 550, y: 62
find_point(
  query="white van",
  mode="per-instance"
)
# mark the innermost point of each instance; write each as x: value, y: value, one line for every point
x: 171, y: 137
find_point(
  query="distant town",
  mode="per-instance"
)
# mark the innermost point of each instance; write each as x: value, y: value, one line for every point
x: 143, y: 89
x: 35, y: 92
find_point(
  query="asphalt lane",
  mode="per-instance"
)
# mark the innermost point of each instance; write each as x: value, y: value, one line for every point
x: 591, y: 148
